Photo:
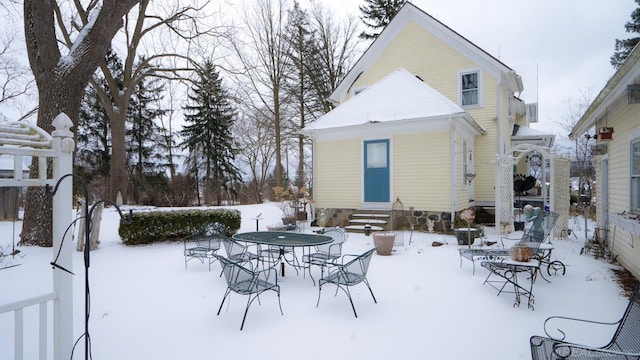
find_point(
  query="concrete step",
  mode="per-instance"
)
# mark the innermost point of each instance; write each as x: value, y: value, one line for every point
x: 364, y: 215
x: 360, y: 228
x: 368, y: 221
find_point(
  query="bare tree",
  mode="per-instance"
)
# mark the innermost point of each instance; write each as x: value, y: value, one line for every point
x: 143, y: 60
x: 582, y: 165
x: 336, y: 43
x: 257, y: 149
x: 62, y: 78
x: 262, y: 51
x: 16, y: 80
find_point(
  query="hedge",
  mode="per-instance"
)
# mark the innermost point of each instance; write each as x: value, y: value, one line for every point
x: 148, y: 227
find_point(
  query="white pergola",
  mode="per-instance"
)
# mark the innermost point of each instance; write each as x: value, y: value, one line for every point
x: 24, y: 141
x: 557, y: 197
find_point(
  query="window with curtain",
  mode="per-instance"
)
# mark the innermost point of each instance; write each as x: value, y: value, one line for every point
x: 376, y: 155
x: 635, y: 175
x: 470, y: 88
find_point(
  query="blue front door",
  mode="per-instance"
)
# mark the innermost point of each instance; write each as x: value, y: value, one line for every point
x: 376, y: 171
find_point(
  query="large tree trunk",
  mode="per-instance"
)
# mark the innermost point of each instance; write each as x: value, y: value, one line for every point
x: 118, y: 171
x: 61, y: 83
x: 56, y: 95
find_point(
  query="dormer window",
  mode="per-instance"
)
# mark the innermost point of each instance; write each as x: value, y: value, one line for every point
x: 470, y: 88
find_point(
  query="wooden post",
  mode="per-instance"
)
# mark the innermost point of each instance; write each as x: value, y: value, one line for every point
x: 63, y: 316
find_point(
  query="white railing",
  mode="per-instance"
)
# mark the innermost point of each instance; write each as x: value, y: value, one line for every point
x: 18, y: 308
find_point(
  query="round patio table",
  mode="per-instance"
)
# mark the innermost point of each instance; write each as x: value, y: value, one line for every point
x: 282, y: 240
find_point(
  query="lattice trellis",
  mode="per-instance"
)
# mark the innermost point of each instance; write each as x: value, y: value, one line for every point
x: 561, y: 179
x: 558, y: 195
x: 504, y: 196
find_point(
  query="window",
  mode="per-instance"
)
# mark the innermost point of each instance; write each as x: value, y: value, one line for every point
x: 635, y: 175
x: 470, y: 88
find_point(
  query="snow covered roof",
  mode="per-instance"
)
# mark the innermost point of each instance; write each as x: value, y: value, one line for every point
x: 400, y: 96
x: 523, y: 134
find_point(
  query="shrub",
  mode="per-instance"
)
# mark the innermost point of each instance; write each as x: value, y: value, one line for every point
x: 147, y: 227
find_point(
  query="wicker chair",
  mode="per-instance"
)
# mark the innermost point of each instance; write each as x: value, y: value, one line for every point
x: 625, y: 343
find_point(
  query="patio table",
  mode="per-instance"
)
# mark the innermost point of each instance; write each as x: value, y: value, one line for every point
x: 507, y: 271
x: 282, y: 240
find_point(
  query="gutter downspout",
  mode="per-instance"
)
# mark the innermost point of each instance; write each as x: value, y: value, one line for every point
x: 454, y: 185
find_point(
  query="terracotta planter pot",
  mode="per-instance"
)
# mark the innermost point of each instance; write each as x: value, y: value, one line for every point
x: 383, y: 242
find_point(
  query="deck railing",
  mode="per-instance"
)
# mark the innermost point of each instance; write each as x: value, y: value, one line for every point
x: 43, y: 325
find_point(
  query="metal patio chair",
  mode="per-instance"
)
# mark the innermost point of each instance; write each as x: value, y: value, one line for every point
x: 625, y: 343
x: 347, y: 274
x: 204, y: 245
x: 238, y: 252
x: 201, y: 247
x: 325, y: 255
x: 243, y: 281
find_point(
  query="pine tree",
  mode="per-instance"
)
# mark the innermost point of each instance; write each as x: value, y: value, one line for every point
x: 210, y: 118
x: 146, y: 153
x: 300, y: 86
x: 624, y: 46
x: 377, y: 14
x: 93, y: 155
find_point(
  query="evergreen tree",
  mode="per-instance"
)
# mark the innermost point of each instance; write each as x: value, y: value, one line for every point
x: 93, y: 155
x: 377, y: 14
x: 146, y: 152
x: 210, y: 118
x: 624, y: 46
x: 300, y: 84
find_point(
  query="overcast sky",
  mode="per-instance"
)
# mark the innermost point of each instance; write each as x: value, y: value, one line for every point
x: 559, y: 47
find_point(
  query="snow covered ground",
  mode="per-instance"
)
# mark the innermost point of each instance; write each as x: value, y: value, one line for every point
x: 146, y: 305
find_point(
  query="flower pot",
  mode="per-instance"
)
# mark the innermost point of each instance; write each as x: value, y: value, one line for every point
x: 465, y: 235
x: 383, y: 242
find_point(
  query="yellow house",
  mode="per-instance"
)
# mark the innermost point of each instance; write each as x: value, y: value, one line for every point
x: 614, y: 119
x: 422, y: 118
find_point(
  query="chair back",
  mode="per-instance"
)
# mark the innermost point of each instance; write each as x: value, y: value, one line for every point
x: 359, y: 265
x: 626, y: 337
x: 239, y: 279
x: 232, y: 247
x: 334, y: 248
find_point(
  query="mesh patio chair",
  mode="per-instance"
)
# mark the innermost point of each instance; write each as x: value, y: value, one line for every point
x: 202, y: 247
x: 243, y: 281
x: 625, y: 343
x: 325, y: 255
x: 347, y: 274
x: 238, y: 252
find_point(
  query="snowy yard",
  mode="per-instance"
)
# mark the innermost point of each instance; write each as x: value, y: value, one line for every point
x: 146, y: 305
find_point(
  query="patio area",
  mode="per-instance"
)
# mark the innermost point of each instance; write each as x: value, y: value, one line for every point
x: 145, y: 304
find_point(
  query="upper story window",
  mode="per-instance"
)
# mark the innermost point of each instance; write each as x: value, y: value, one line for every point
x: 635, y: 175
x: 470, y: 83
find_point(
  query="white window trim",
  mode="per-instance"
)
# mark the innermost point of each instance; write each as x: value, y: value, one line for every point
x: 633, y: 137
x: 480, y: 86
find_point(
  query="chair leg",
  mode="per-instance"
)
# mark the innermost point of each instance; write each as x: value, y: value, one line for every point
x: 371, y: 291
x: 223, y: 299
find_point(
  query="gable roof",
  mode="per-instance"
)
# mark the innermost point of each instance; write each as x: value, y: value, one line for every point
x: 400, y: 96
x: 410, y: 12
